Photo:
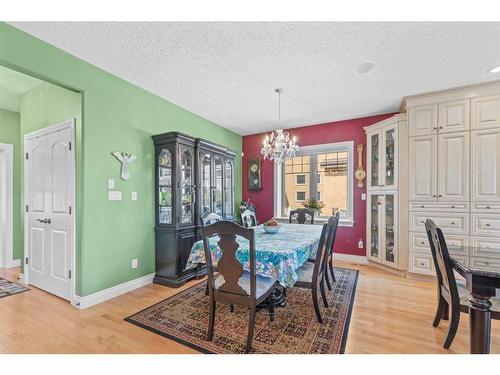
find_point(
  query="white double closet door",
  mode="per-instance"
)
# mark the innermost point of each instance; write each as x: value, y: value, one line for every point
x: 49, y: 190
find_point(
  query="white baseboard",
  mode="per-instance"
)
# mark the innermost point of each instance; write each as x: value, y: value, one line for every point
x: 13, y: 263
x: 114, y: 291
x: 21, y: 278
x: 358, y: 259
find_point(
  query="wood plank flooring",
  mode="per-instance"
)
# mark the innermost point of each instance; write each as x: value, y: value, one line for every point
x: 391, y: 315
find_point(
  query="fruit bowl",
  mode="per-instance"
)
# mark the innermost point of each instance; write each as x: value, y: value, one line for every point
x: 271, y: 227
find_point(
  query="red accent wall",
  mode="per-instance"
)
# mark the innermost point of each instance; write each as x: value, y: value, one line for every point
x: 338, y: 131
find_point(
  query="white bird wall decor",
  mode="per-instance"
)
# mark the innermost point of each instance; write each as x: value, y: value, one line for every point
x: 125, y: 159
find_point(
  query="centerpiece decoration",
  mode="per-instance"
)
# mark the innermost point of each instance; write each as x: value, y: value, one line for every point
x: 271, y: 226
x: 314, y: 204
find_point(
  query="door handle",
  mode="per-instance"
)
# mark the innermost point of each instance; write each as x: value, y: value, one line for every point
x: 45, y: 221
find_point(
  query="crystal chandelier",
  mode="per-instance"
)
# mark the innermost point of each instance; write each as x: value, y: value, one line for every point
x: 278, y: 146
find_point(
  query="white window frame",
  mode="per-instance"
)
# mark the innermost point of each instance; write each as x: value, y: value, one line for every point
x: 318, y: 149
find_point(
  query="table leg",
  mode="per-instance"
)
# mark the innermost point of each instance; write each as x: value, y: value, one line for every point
x: 480, y: 324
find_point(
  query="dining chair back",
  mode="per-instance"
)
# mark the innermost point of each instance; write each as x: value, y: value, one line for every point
x: 447, y: 290
x: 210, y: 218
x: 302, y: 214
x: 331, y: 243
x: 310, y: 275
x: 248, y: 218
x: 233, y: 284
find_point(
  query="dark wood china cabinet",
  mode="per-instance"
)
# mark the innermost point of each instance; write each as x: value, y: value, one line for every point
x: 193, y: 177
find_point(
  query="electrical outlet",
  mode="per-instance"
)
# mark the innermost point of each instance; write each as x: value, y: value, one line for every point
x: 134, y: 264
x: 363, y: 196
x: 111, y: 183
x: 360, y: 244
x: 134, y: 195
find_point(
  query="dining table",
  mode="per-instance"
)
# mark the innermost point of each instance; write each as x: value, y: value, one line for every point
x: 278, y: 255
x: 480, y: 268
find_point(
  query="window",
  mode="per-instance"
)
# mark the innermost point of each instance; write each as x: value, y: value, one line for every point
x: 300, y: 196
x: 300, y: 179
x: 321, y: 172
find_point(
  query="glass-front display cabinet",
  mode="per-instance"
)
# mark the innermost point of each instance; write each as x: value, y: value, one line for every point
x: 382, y: 204
x: 382, y: 161
x: 192, y: 177
x: 382, y: 229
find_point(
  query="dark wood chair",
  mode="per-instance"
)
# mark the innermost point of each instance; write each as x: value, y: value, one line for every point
x: 453, y: 296
x: 302, y: 214
x: 232, y: 284
x: 210, y: 218
x: 248, y: 219
x: 329, y: 258
x: 312, y: 274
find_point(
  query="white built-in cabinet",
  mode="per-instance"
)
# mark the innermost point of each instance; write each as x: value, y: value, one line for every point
x: 383, y: 198
x: 453, y: 171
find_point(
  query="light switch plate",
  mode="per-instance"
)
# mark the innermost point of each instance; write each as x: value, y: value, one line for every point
x: 111, y: 183
x: 134, y: 195
x: 134, y: 264
x: 114, y: 195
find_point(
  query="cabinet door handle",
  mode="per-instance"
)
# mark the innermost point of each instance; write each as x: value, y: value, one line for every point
x: 440, y: 127
x: 434, y: 196
x: 435, y: 128
x: 422, y: 243
x: 422, y: 206
x: 452, y: 223
x: 488, y: 224
x: 452, y: 206
x: 440, y: 195
x: 488, y: 207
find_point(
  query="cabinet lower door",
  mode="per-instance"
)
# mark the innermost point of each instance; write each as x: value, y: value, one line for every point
x: 389, y: 230
x: 373, y: 228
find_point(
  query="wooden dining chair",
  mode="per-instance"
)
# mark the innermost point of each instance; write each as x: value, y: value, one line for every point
x: 248, y: 219
x: 302, y: 214
x: 453, y: 296
x: 232, y: 284
x: 210, y: 218
x: 312, y: 274
x: 329, y: 258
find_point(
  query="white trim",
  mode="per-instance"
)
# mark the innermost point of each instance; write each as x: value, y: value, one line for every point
x: 358, y: 259
x: 21, y: 278
x: 36, y: 134
x: 7, y: 215
x: 314, y: 149
x: 114, y: 291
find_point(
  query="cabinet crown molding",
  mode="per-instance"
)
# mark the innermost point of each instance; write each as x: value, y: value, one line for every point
x: 381, y: 124
x: 454, y: 93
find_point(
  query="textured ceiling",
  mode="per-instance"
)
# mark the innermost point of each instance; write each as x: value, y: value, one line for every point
x: 226, y: 72
x: 12, y: 85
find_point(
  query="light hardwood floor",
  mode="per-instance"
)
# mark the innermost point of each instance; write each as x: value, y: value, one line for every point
x: 391, y: 315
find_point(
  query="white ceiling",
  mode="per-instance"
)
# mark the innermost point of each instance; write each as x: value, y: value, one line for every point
x: 12, y: 86
x: 226, y: 72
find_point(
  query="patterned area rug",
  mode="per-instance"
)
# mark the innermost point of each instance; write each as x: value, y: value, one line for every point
x: 184, y: 318
x: 8, y: 288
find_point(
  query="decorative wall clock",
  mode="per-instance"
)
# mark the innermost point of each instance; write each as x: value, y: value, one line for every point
x: 360, y: 174
x: 254, y: 177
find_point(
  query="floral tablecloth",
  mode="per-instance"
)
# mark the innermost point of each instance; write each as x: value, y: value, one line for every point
x: 277, y: 255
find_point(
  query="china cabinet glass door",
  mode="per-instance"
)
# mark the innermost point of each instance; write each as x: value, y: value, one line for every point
x: 218, y: 187
x: 206, y: 184
x: 389, y: 170
x: 186, y: 185
x: 228, y: 190
x: 389, y: 228
x: 374, y: 231
x: 374, y: 177
x: 165, y: 187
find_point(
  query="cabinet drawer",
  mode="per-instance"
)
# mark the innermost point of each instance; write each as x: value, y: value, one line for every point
x: 438, y: 206
x: 486, y: 207
x: 487, y: 225
x: 450, y: 223
x: 457, y: 244
x: 421, y: 263
x: 487, y: 264
x: 486, y: 246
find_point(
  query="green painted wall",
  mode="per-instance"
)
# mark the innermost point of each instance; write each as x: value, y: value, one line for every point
x: 116, y: 116
x: 10, y: 134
